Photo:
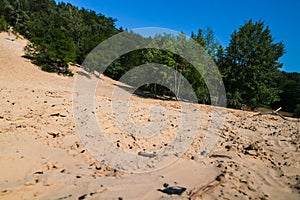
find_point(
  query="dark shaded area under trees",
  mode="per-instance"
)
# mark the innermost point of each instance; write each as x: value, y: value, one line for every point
x: 62, y: 33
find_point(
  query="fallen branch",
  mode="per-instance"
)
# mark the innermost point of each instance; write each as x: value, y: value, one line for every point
x: 57, y: 115
x: 197, y: 193
x: 149, y: 155
x: 219, y: 156
x: 274, y: 112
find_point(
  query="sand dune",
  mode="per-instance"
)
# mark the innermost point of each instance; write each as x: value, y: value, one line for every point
x: 43, y: 157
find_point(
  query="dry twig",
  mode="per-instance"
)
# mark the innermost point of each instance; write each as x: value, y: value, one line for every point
x: 274, y: 112
x: 197, y: 193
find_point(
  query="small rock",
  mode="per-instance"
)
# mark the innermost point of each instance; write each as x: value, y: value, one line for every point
x: 82, y: 197
x: 54, y: 135
x: 203, y: 153
x: 219, y: 177
x: 251, y: 152
x: 165, y: 185
x: 92, y: 193
x: 276, y: 133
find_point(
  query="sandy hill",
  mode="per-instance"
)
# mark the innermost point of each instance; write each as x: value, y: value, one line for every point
x: 43, y: 157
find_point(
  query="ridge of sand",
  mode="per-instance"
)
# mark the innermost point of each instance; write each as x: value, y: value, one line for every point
x: 42, y: 157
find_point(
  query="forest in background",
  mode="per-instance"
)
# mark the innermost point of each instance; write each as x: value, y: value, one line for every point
x: 61, y: 33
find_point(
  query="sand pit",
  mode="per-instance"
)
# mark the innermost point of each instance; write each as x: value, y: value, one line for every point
x: 43, y: 157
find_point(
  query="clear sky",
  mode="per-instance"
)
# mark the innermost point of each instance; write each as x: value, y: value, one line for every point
x: 223, y: 16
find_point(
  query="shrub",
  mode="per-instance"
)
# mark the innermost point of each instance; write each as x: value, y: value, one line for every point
x: 3, y: 24
x: 297, y: 111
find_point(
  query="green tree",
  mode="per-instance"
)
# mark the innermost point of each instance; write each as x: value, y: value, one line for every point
x: 289, y: 83
x: 297, y: 111
x: 206, y: 38
x: 250, y: 66
x: 3, y: 24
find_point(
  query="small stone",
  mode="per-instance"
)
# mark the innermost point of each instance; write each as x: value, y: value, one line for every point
x: 54, y: 135
x: 219, y: 177
x: 82, y: 197
x: 251, y: 152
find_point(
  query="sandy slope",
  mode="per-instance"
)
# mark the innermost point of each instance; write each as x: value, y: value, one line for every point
x: 42, y: 157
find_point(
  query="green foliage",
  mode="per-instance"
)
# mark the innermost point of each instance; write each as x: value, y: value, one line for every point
x: 297, y: 111
x: 143, y: 56
x: 3, y: 24
x: 250, y: 66
x: 206, y: 38
x: 59, y: 33
x: 289, y: 84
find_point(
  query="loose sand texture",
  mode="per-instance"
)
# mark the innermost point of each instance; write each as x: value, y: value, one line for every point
x: 42, y: 155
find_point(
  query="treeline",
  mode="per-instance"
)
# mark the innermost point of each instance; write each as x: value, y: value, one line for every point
x: 59, y: 33
x: 62, y: 33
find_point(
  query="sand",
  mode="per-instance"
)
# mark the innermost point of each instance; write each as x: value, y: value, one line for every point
x: 43, y: 156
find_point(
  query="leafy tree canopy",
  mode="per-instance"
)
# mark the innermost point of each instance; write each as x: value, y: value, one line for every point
x: 250, y: 66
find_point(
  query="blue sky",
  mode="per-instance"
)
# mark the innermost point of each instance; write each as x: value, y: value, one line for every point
x: 223, y: 16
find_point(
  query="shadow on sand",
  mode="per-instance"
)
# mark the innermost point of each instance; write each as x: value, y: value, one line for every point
x: 144, y: 94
